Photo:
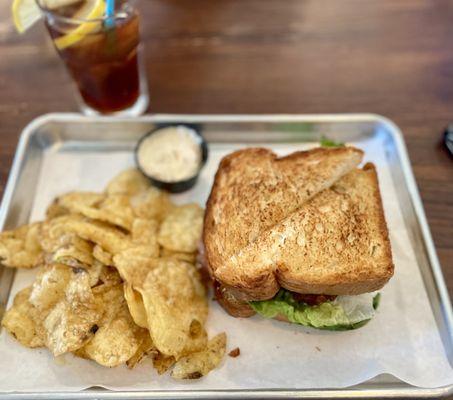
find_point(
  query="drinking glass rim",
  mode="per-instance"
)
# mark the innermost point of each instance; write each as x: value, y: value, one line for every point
x: 62, y: 18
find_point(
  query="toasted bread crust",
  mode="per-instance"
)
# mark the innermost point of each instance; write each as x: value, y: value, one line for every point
x: 254, y: 190
x: 358, y: 261
x: 232, y: 304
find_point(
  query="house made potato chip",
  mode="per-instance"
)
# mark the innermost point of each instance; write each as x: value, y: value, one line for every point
x: 151, y: 204
x: 129, y: 182
x: 117, y: 338
x: 135, y: 304
x: 74, y: 319
x: 114, y: 343
x: 173, y: 298
x: 199, y: 364
x: 146, y: 348
x: 23, y: 321
x: 102, y: 256
x: 20, y: 248
x: 108, y: 237
x: 54, y: 233
x: 177, y: 255
x: 76, y: 253
x: 181, y: 229
x: 49, y: 286
x: 163, y: 363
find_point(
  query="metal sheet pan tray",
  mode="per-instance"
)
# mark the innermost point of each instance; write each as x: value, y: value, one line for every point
x: 61, y: 133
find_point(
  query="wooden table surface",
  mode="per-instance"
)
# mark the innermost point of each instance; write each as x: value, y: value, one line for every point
x: 393, y: 58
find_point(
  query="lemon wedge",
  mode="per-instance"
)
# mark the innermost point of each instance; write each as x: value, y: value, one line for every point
x: 25, y: 14
x: 90, y: 10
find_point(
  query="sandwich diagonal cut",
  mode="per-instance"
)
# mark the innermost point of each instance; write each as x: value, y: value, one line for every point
x: 335, y: 244
x: 269, y: 250
x: 254, y: 190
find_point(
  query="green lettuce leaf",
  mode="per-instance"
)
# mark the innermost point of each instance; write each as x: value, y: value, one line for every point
x: 343, y: 313
x: 330, y: 143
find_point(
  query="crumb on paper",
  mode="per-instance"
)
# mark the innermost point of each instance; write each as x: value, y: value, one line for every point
x: 318, y: 348
x: 235, y: 352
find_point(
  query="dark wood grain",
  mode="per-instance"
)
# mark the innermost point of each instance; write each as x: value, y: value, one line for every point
x: 393, y: 58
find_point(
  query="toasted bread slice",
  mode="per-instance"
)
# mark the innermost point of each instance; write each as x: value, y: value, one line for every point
x: 337, y: 244
x: 254, y: 190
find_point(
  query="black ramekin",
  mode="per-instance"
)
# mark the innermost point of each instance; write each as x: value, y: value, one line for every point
x: 177, y: 186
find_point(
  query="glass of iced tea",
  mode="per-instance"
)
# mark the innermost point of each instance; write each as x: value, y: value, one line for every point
x: 102, y: 52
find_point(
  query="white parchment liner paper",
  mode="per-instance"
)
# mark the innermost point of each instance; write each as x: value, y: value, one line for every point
x: 402, y: 339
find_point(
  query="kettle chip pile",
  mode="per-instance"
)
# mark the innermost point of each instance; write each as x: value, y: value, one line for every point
x: 116, y: 280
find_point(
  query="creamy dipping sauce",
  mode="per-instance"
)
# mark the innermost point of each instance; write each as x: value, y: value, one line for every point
x: 170, y: 154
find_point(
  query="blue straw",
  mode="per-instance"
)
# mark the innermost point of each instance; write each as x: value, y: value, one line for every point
x: 110, y: 12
